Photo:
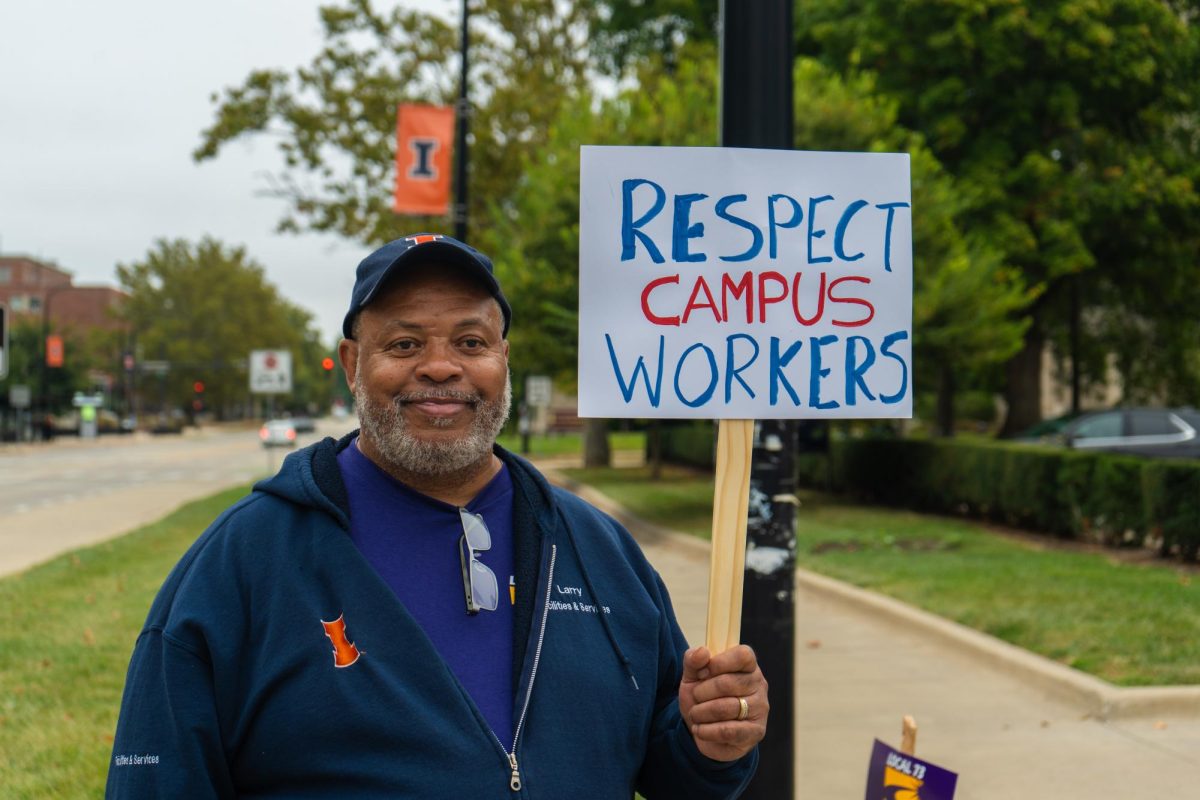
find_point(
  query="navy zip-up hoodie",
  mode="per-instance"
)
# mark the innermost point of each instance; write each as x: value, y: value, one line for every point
x: 276, y: 663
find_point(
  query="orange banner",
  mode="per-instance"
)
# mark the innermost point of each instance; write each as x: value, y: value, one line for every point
x: 424, y: 144
x: 54, y: 350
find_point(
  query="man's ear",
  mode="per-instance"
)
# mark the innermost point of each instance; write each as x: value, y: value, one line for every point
x: 348, y: 355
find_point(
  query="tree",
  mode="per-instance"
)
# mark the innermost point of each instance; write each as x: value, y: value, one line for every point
x: 203, y: 308
x: 626, y: 31
x: 1070, y: 129
x: 25, y: 365
x: 335, y: 119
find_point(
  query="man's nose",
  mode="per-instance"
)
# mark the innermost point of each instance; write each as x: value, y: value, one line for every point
x: 439, y: 363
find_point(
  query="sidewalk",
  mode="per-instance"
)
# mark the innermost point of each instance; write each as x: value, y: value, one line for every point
x: 1005, y: 722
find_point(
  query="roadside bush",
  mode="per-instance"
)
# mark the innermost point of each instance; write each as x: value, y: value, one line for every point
x: 1115, y: 499
x: 1172, y: 506
x: 690, y: 443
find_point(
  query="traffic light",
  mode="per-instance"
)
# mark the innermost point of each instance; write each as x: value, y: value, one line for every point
x: 327, y: 363
x: 198, y: 400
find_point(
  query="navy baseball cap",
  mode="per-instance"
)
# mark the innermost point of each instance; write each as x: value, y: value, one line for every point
x: 409, y: 251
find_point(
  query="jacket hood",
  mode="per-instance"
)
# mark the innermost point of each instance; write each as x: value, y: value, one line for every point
x: 310, y: 477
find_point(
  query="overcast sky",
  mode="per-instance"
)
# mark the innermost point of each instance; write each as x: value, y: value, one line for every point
x: 101, y: 105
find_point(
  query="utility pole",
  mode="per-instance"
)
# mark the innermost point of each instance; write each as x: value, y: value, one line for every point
x: 462, y: 118
x: 756, y: 111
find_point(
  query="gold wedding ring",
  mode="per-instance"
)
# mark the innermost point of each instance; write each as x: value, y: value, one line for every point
x: 744, y: 711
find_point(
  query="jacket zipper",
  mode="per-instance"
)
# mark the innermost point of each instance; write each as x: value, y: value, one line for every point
x: 514, y: 781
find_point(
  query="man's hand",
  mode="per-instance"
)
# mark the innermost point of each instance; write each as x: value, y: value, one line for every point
x: 709, y: 701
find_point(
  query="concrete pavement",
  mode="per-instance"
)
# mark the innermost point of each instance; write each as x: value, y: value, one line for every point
x: 74, y: 492
x: 1011, y: 724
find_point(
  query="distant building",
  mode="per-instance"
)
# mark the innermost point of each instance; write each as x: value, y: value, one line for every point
x: 31, y: 288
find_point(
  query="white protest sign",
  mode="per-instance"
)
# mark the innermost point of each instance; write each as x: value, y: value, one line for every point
x: 270, y: 371
x: 744, y: 284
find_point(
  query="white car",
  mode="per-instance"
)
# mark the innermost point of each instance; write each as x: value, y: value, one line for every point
x: 278, y: 433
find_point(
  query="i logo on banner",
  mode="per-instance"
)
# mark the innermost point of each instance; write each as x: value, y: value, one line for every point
x: 424, y: 145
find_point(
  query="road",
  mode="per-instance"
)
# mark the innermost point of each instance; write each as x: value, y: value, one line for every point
x: 116, y: 483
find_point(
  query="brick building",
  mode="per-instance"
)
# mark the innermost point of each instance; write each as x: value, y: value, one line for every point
x: 31, y: 288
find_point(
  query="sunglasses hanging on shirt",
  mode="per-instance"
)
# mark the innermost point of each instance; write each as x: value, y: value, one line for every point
x: 479, y: 582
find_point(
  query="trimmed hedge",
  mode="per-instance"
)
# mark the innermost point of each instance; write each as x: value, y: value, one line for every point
x: 691, y: 443
x: 1104, y: 497
x: 1115, y: 499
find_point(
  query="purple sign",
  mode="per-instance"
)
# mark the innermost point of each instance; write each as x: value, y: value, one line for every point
x: 897, y: 776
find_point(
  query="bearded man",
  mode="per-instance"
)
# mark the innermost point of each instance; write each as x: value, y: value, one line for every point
x: 413, y: 611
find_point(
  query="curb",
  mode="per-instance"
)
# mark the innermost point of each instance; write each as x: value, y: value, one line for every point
x: 1097, y: 698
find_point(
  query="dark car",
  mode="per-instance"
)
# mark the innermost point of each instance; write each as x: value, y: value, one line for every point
x: 1161, y: 432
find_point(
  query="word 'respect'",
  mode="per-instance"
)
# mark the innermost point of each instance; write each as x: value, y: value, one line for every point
x: 744, y: 284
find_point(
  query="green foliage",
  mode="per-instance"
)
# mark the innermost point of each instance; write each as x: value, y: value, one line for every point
x: 1070, y: 129
x: 966, y: 303
x: 624, y: 31
x: 1172, y: 501
x: 83, y: 351
x: 692, y: 443
x: 1102, y: 497
x: 203, y: 308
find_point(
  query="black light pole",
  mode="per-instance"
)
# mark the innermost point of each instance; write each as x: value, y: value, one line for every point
x: 462, y: 118
x: 756, y: 111
x: 44, y: 349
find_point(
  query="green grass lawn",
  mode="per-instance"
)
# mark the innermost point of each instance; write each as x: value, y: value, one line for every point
x: 1129, y: 624
x: 67, y: 629
x: 563, y: 444
x: 680, y: 498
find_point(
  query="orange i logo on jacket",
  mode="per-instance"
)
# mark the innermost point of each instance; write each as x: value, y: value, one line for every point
x: 344, y: 651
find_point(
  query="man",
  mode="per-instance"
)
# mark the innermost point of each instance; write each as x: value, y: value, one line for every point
x: 415, y: 612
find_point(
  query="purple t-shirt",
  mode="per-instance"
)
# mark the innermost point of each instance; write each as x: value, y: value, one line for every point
x: 412, y: 541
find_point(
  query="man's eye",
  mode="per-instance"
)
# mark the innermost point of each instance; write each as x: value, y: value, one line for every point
x: 472, y: 343
x: 403, y: 345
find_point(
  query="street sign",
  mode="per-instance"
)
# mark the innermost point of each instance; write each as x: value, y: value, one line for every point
x: 81, y: 400
x: 19, y: 396
x: 538, y: 389
x: 3, y: 341
x: 270, y: 371
x: 156, y: 367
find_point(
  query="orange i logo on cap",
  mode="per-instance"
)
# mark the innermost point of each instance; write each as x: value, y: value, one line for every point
x: 512, y: 590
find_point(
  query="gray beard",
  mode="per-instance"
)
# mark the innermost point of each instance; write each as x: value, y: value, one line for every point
x: 385, y: 426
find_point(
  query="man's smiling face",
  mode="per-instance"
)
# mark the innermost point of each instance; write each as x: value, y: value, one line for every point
x: 429, y: 370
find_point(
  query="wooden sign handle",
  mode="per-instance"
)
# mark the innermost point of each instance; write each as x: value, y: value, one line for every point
x: 908, y: 736
x: 731, y: 503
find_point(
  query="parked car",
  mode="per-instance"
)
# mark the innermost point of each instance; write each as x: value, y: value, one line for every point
x: 1161, y: 432
x: 1048, y: 431
x: 304, y: 424
x: 278, y: 433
